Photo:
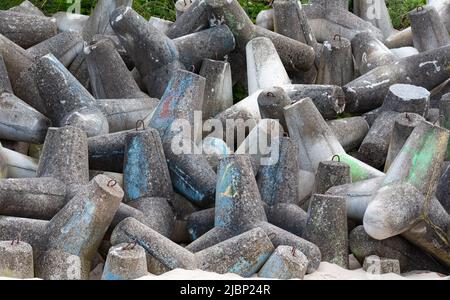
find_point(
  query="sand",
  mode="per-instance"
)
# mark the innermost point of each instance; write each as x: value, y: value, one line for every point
x: 326, y: 271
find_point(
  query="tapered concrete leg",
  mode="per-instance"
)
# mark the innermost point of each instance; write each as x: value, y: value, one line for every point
x: 125, y: 262
x: 218, y: 89
x: 403, y: 126
x: 21, y: 122
x: 264, y: 66
x: 123, y: 114
x: 376, y: 13
x: 29, y: 29
x: 358, y: 195
x: 109, y: 76
x: 67, y: 101
x: 319, y: 144
x: 350, y: 132
x: 195, y: 17
x: 65, y: 156
x: 213, y: 43
x: 64, y: 46
x: 336, y: 62
x: 79, y: 227
x: 326, y: 227
x: 98, y: 22
x: 427, y: 29
x: 370, y: 53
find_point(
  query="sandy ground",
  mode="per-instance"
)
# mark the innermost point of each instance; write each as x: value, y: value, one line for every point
x: 326, y: 271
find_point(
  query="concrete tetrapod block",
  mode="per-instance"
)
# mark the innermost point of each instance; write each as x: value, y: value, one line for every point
x: 341, y: 4
x: 285, y: 263
x: 243, y: 254
x: 59, y: 265
x: 427, y: 29
x: 290, y: 20
x: 154, y: 54
x: 149, y: 178
x: 317, y: 142
x: 407, y: 98
x: 79, y: 227
x: 67, y: 101
x: 326, y: 227
x: 427, y: 69
x: 99, y: 22
x: 125, y: 262
x: 262, y: 144
x: 294, y: 55
x: 191, y: 173
x: 16, y: 259
x: 109, y: 76
x: 411, y: 167
x: 379, y: 265
x: 410, y: 257
x: 438, y: 93
x: 239, y: 208
x: 29, y: 29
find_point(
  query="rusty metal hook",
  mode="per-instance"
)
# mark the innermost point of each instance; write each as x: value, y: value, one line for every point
x: 140, y: 122
x: 112, y: 183
x: 338, y: 157
x: 130, y: 246
x: 272, y: 235
x: 293, y: 251
x: 16, y: 239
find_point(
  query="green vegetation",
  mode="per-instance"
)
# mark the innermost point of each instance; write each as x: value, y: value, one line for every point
x: 166, y: 8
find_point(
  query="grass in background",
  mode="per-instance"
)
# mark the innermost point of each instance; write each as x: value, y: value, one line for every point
x: 165, y: 9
